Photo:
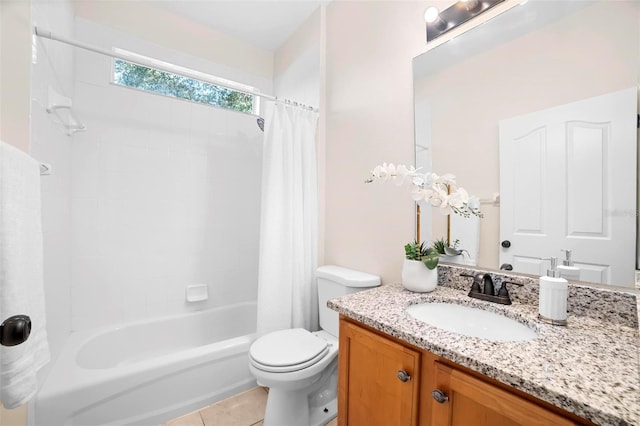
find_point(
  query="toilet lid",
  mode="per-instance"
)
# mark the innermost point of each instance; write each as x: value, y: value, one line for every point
x: 288, y: 350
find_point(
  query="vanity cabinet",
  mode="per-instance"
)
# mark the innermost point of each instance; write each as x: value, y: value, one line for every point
x: 384, y: 381
x: 467, y: 400
x: 378, y: 379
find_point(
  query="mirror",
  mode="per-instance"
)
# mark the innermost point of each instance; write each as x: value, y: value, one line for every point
x: 534, y: 57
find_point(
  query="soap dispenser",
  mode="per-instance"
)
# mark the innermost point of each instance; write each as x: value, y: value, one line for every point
x: 568, y: 270
x: 554, y: 291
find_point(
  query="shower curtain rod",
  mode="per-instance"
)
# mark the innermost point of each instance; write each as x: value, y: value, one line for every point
x: 140, y: 61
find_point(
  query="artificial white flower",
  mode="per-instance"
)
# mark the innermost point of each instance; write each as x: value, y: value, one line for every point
x: 380, y: 172
x: 459, y: 199
x: 404, y: 174
x: 439, y: 191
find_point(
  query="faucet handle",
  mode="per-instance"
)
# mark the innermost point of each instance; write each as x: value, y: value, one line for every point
x: 503, y: 292
x: 477, y: 278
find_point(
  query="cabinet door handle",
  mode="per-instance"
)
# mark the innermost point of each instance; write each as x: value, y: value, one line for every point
x: 439, y: 396
x: 403, y: 376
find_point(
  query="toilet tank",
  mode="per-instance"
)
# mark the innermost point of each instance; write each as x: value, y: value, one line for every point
x: 335, y: 281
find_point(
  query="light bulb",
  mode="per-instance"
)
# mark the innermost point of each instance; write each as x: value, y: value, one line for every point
x: 431, y: 14
x: 470, y: 4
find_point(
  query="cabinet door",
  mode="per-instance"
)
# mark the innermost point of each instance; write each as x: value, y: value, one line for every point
x: 472, y: 401
x: 378, y: 380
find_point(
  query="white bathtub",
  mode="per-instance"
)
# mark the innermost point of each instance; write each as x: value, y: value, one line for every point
x: 148, y: 372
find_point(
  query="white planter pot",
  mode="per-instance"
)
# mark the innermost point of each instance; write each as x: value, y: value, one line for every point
x: 453, y: 259
x: 417, y: 277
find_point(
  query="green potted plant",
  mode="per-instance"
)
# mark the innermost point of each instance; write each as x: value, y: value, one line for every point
x: 443, y: 247
x: 422, y: 252
x: 439, y: 245
x: 419, y: 272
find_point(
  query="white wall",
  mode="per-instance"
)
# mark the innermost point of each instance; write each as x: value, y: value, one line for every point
x: 166, y: 193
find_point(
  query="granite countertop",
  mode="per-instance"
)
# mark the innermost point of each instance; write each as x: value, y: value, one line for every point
x: 590, y: 367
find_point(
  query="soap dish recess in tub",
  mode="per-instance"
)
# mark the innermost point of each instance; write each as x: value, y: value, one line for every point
x: 197, y: 293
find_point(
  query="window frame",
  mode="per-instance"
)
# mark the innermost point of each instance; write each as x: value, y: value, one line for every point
x: 184, y: 72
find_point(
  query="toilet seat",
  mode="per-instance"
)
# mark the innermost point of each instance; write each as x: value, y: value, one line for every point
x: 287, y: 350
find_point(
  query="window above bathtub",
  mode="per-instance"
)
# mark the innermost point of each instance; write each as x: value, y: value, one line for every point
x: 155, y: 76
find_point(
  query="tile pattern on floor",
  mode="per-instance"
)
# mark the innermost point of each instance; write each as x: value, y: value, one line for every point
x: 245, y: 409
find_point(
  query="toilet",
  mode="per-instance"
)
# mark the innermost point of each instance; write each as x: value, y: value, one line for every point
x: 300, y: 367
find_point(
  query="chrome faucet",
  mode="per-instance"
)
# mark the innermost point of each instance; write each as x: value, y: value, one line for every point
x: 483, y: 289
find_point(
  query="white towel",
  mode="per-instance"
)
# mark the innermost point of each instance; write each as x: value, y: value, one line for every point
x: 467, y: 231
x: 21, y: 273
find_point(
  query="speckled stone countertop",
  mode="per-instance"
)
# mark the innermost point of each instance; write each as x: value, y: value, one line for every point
x: 590, y: 367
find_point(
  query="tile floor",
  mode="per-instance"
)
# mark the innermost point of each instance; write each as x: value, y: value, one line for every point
x: 244, y: 409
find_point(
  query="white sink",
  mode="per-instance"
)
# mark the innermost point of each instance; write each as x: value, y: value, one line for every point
x: 472, y: 322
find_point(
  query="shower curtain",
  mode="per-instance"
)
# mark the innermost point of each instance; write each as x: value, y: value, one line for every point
x: 287, y: 295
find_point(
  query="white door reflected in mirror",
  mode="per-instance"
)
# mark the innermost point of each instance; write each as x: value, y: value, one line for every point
x: 567, y: 176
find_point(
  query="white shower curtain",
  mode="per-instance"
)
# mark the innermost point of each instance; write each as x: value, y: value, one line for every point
x: 287, y: 295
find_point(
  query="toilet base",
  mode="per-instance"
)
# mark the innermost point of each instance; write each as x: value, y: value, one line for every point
x: 296, y: 409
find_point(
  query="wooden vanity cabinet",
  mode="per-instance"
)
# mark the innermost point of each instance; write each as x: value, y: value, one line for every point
x: 378, y: 379
x: 472, y: 401
x: 384, y: 381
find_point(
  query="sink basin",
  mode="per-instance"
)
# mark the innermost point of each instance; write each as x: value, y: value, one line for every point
x: 472, y: 322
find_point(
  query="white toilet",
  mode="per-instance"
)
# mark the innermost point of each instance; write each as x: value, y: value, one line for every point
x: 299, y: 367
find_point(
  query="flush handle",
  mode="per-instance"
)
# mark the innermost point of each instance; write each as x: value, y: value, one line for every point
x: 439, y: 396
x: 403, y: 376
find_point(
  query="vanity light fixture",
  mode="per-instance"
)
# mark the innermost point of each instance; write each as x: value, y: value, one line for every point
x: 439, y: 23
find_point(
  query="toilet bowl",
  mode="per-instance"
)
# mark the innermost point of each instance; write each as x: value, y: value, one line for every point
x: 300, y: 383
x: 300, y: 367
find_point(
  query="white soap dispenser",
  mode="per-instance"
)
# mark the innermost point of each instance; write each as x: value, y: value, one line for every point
x: 568, y: 270
x: 554, y: 291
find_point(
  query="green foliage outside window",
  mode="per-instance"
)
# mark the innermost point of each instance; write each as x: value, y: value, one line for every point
x: 140, y: 77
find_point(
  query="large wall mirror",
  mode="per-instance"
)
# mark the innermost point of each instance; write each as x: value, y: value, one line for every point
x: 535, y: 113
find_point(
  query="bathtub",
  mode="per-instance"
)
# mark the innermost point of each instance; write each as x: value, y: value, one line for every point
x: 147, y: 372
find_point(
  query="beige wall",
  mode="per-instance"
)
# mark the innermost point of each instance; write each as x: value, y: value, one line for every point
x: 170, y: 30
x: 15, y: 56
x: 297, y: 62
x: 15, y: 59
x: 369, y: 120
x: 593, y: 52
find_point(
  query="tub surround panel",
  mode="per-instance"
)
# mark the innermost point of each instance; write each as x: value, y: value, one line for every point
x: 155, y: 186
x: 51, y: 144
x: 589, y: 368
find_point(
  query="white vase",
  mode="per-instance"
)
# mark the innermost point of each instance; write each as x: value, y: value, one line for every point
x: 453, y: 259
x: 417, y: 277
